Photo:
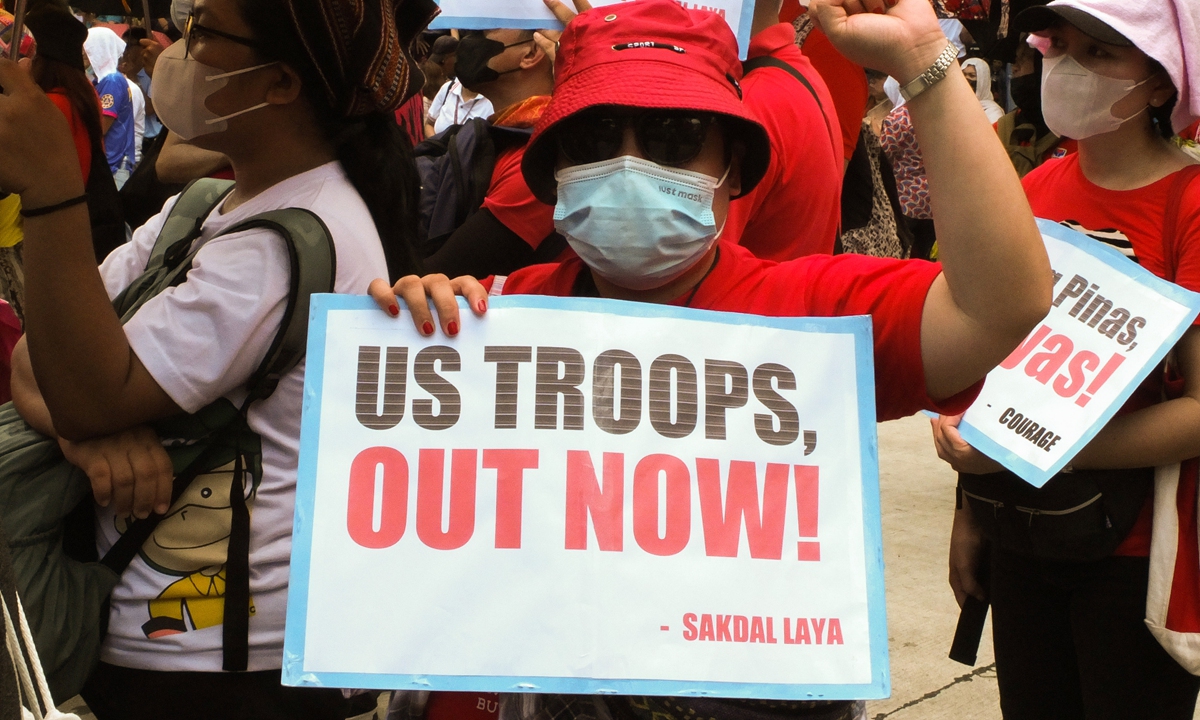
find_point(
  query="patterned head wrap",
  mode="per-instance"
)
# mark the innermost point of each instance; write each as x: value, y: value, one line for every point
x: 360, y: 49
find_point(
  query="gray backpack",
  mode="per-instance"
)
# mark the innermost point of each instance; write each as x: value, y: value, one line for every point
x: 46, y: 508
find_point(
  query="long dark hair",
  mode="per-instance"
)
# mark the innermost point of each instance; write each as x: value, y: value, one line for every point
x: 375, y: 154
x: 52, y: 75
x: 1160, y: 117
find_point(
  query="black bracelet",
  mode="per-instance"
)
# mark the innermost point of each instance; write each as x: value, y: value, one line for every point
x: 38, y: 212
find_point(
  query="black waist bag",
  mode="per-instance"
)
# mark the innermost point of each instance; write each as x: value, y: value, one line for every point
x: 1080, y: 516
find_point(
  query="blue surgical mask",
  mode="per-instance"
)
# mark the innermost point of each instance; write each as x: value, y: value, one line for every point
x: 637, y: 224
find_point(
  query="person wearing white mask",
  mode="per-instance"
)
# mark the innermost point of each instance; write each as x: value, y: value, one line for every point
x: 307, y: 124
x: 977, y: 72
x: 1120, y: 78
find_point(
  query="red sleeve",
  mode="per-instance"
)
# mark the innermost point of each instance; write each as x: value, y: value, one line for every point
x: 847, y: 83
x: 1187, y: 273
x: 83, y: 144
x: 893, y: 293
x: 512, y: 202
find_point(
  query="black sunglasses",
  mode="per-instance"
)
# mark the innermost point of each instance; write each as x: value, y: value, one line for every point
x: 193, y: 27
x: 666, y: 137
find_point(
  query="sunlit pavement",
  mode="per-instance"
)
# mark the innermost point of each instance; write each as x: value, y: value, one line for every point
x: 918, y: 504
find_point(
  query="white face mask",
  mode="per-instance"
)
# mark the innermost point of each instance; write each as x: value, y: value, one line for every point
x: 1077, y: 103
x: 180, y: 87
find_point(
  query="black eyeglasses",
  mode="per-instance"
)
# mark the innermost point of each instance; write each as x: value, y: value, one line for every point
x: 666, y: 137
x: 192, y: 27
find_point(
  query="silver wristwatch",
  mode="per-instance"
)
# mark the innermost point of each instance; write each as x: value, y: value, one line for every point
x: 932, y: 76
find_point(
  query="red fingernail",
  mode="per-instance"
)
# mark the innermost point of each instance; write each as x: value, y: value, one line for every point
x: 427, y: 328
x: 452, y: 329
x: 878, y: 11
x: 482, y: 306
x: 394, y: 310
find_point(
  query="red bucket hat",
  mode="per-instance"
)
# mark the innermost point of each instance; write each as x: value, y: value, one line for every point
x: 646, y: 54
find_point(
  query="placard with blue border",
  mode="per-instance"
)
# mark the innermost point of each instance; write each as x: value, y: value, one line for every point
x: 1070, y: 312
x: 533, y: 15
x: 367, y: 655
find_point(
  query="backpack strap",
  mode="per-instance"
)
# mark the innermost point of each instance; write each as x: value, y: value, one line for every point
x: 313, y: 270
x: 767, y: 61
x: 183, y: 225
x: 186, y: 219
x: 312, y: 265
x: 1171, y: 219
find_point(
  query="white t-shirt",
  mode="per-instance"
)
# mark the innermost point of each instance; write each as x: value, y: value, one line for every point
x: 139, y: 119
x: 200, y: 341
x: 449, y: 108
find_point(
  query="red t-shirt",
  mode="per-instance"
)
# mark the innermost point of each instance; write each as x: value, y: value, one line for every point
x: 512, y: 202
x: 796, y: 208
x: 892, y: 292
x: 1132, y: 222
x: 79, y: 133
x: 847, y: 83
x: 462, y: 706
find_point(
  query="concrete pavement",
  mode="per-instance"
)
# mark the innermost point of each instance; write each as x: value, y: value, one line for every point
x: 918, y: 504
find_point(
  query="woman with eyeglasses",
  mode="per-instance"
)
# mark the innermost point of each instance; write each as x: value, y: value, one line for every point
x: 646, y: 141
x: 303, y: 108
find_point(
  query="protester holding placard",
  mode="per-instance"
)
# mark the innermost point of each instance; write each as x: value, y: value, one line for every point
x: 1070, y: 639
x: 646, y: 140
x: 306, y: 119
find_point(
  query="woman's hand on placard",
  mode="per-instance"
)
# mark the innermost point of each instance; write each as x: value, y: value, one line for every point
x: 39, y: 161
x: 958, y: 452
x: 417, y: 292
x: 129, y: 471
x: 547, y: 40
x: 899, y: 37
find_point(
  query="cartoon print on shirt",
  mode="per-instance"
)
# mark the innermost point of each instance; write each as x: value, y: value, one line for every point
x: 191, y: 543
x: 1109, y: 236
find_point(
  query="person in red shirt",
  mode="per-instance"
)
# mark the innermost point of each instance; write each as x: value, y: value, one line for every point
x: 649, y: 90
x: 1069, y: 635
x: 513, y: 228
x: 847, y: 83
x: 846, y: 80
x: 796, y: 210
x: 57, y: 67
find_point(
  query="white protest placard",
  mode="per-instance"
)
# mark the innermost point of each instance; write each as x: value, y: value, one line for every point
x: 1111, y: 324
x: 586, y: 496
x: 533, y: 15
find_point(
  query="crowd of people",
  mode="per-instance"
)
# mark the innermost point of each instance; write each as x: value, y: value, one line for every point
x: 868, y: 157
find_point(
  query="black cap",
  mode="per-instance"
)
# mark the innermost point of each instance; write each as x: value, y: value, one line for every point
x: 444, y: 46
x: 1036, y: 19
x: 58, y: 34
